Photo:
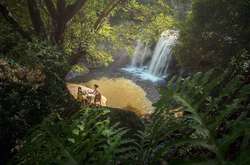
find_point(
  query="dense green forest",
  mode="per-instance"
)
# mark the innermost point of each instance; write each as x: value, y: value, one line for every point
x: 42, y: 123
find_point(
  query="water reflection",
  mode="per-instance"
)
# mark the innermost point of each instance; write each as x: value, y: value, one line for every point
x: 123, y: 93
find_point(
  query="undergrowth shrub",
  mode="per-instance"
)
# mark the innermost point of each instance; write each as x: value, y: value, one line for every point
x: 31, y: 87
x: 86, y: 138
x: 214, y: 128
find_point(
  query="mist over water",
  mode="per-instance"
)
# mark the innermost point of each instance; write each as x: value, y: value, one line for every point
x: 142, y: 51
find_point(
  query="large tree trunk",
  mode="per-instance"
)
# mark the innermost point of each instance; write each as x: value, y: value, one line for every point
x: 58, y: 30
x: 60, y: 22
x: 7, y: 15
x: 61, y: 15
x: 36, y: 19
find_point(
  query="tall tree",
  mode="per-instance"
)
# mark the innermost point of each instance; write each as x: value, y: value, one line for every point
x: 61, y: 14
x: 36, y: 19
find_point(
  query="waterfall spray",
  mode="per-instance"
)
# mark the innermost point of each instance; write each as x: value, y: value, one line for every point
x: 141, y: 53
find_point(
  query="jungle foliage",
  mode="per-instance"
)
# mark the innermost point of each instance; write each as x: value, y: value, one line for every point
x: 41, y: 40
x: 31, y: 86
x: 215, y: 31
x: 36, y: 47
x: 216, y: 116
x: 213, y: 128
x: 87, y: 138
x: 92, y: 30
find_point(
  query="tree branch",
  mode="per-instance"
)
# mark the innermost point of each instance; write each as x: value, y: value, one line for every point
x: 51, y: 8
x: 107, y: 10
x: 74, y: 8
x: 61, y: 15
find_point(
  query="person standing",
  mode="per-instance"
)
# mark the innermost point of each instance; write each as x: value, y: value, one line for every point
x: 95, y: 95
x: 81, y: 97
x: 98, y: 96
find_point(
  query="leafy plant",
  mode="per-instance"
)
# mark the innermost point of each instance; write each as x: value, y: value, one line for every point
x: 212, y: 127
x: 216, y: 113
x: 215, y: 31
x: 87, y: 138
x: 31, y: 87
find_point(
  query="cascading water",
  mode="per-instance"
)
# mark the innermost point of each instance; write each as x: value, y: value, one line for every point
x: 141, y: 53
x: 158, y: 65
x: 162, y: 54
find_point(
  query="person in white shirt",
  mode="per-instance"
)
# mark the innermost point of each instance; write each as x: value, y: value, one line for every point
x: 95, y: 95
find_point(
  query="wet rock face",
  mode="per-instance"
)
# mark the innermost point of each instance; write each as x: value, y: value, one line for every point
x: 173, y: 69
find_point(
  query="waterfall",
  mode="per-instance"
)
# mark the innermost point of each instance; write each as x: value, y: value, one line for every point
x: 162, y: 54
x: 140, y: 54
x: 153, y: 66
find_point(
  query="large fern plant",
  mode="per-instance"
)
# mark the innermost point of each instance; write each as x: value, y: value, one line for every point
x: 87, y: 138
x: 214, y: 128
